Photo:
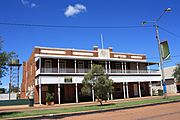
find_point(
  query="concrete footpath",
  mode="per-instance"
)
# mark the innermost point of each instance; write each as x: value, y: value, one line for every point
x: 20, y: 108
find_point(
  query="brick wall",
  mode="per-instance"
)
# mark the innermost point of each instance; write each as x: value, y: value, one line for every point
x: 28, y: 80
x: 23, y: 84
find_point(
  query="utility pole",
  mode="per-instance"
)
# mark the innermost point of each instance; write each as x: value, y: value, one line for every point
x: 155, y: 22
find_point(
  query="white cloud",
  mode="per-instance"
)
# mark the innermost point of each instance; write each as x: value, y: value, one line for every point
x: 24, y: 2
x: 33, y: 5
x: 73, y: 10
x: 28, y: 3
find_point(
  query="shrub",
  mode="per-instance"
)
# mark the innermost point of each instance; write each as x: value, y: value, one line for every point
x: 49, y: 97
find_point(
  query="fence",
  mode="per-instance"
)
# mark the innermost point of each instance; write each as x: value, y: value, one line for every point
x: 14, y: 102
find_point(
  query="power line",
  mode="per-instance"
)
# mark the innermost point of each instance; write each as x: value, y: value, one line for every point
x: 64, y: 26
x: 169, y: 32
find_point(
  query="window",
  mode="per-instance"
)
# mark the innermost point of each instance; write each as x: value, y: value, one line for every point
x: 62, y: 66
x: 118, y: 88
x: 48, y: 66
x: 81, y: 66
x: 118, y: 68
x: 88, y: 67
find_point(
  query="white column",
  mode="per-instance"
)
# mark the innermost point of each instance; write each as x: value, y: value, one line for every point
x: 111, y: 96
x: 106, y: 67
x: 39, y: 64
x: 91, y: 64
x: 175, y: 86
x: 137, y: 66
x: 58, y: 65
x: 151, y: 88
x: 109, y: 67
x: 127, y: 91
x: 40, y: 90
x: 93, y: 93
x: 139, y: 85
x: 59, y: 93
x: 75, y: 66
x: 122, y: 67
x: 124, y: 90
x: 76, y: 93
x: 108, y: 95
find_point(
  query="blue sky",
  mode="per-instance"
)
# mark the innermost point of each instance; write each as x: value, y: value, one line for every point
x: 88, y: 13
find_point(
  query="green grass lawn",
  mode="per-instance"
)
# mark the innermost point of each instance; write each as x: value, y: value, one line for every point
x: 88, y: 108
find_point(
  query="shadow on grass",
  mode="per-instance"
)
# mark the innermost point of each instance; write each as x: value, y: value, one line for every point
x: 7, y: 113
x: 107, y: 104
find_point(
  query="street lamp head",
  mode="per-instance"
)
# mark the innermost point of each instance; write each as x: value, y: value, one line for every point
x: 168, y: 10
x: 144, y: 22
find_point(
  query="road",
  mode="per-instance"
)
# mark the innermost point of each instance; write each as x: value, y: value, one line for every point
x: 160, y: 112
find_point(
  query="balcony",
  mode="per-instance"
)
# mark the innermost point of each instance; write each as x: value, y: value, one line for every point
x: 86, y: 70
x: 68, y: 66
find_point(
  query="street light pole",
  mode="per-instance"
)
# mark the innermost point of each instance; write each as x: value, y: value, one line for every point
x: 159, y: 47
x: 161, y: 60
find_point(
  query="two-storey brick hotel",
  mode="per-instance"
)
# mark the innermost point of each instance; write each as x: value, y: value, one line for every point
x: 60, y: 71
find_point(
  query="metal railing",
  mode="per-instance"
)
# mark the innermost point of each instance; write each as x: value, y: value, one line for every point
x: 116, y: 71
x: 49, y: 70
x: 86, y: 70
x: 133, y: 71
x: 142, y: 71
x: 82, y: 70
x: 64, y: 70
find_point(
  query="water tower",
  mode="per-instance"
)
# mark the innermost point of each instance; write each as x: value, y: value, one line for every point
x: 14, y: 77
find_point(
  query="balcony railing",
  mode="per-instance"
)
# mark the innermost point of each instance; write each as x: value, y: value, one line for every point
x: 65, y: 70
x: 141, y: 71
x: 49, y: 70
x: 116, y: 71
x: 86, y: 70
x: 82, y: 70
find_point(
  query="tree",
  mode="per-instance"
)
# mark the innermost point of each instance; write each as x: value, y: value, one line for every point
x: 97, y: 80
x: 177, y: 73
x: 5, y: 58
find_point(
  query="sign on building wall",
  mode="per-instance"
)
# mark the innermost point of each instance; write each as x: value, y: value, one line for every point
x: 103, y: 53
x: 68, y: 79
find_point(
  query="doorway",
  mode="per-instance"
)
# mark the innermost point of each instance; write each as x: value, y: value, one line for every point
x: 135, y: 86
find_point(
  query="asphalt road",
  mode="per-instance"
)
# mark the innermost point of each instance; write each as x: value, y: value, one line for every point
x: 160, y: 112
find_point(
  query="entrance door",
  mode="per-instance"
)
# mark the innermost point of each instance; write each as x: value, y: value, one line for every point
x: 69, y: 93
x: 135, y: 86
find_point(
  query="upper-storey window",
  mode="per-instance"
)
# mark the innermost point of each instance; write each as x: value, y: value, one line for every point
x: 118, y: 67
x: 81, y: 66
x: 62, y: 66
x: 48, y: 66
